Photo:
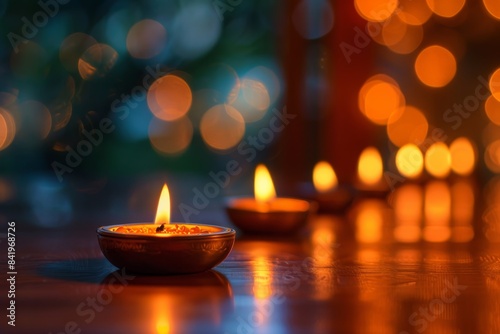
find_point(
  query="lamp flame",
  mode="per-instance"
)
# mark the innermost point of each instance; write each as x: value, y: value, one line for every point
x: 263, y: 186
x: 370, y: 167
x: 163, y: 211
x: 324, y: 177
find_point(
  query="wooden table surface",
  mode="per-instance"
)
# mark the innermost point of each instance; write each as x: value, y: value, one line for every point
x: 428, y: 264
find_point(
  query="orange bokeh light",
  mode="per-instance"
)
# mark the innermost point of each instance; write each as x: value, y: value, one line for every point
x: 169, y: 97
x: 435, y: 66
x: 492, y: 108
x: 375, y: 10
x: 146, y: 39
x: 379, y: 97
x: 410, y: 161
x: 222, y: 127
x: 446, y: 8
x: 370, y: 166
x: 408, y: 126
x: 171, y: 137
x: 414, y: 12
x: 493, y: 8
x: 324, y: 177
x: 494, y: 84
x: 438, y: 160
x: 463, y: 156
x: 410, y: 41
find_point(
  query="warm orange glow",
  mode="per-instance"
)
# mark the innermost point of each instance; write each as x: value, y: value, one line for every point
x: 163, y: 211
x: 408, y: 209
x: 379, y: 97
x: 407, y: 127
x: 410, y: 161
x: 414, y: 12
x: 410, y: 41
x: 375, y: 10
x: 492, y: 108
x: 493, y: 8
x: 251, y: 98
x: 369, y: 222
x: 255, y: 94
x: 7, y: 129
x: 437, y: 210
x: 263, y: 186
x: 495, y: 84
x: 446, y: 8
x: 324, y: 177
x: 222, y: 127
x: 169, y: 97
x: 370, y: 167
x: 393, y: 30
x: 262, y: 282
x: 162, y: 326
x: 146, y: 39
x: 438, y: 160
x: 435, y: 66
x: 463, y: 202
x: 171, y: 138
x: 492, y: 156
x: 463, y: 156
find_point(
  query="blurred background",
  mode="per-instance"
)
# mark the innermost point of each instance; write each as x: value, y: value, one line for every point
x: 103, y: 101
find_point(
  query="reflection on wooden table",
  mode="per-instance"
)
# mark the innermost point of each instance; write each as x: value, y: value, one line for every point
x: 428, y: 262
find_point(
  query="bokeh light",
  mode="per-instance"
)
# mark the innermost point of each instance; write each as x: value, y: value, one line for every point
x: 492, y: 156
x: 494, y: 84
x: 393, y: 31
x: 252, y: 101
x: 172, y: 137
x: 370, y: 166
x: 435, y: 66
x: 463, y: 156
x: 437, y: 209
x: 410, y: 41
x: 324, y: 177
x: 447, y: 8
x: 268, y: 78
x: 493, y: 8
x: 222, y: 127
x: 369, y: 222
x: 169, y: 97
x: 414, y: 12
x: 375, y: 10
x: 197, y: 29
x: 408, y: 211
x: 7, y: 129
x: 146, y: 39
x: 438, y: 160
x: 407, y: 127
x: 73, y: 47
x: 379, y: 97
x: 492, y: 109
x: 410, y: 161
x: 97, y: 61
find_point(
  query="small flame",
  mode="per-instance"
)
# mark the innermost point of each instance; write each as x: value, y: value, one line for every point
x: 263, y: 187
x: 370, y: 166
x: 324, y: 177
x: 163, y: 211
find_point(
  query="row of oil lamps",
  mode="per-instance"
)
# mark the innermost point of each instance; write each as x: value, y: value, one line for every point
x: 188, y: 248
